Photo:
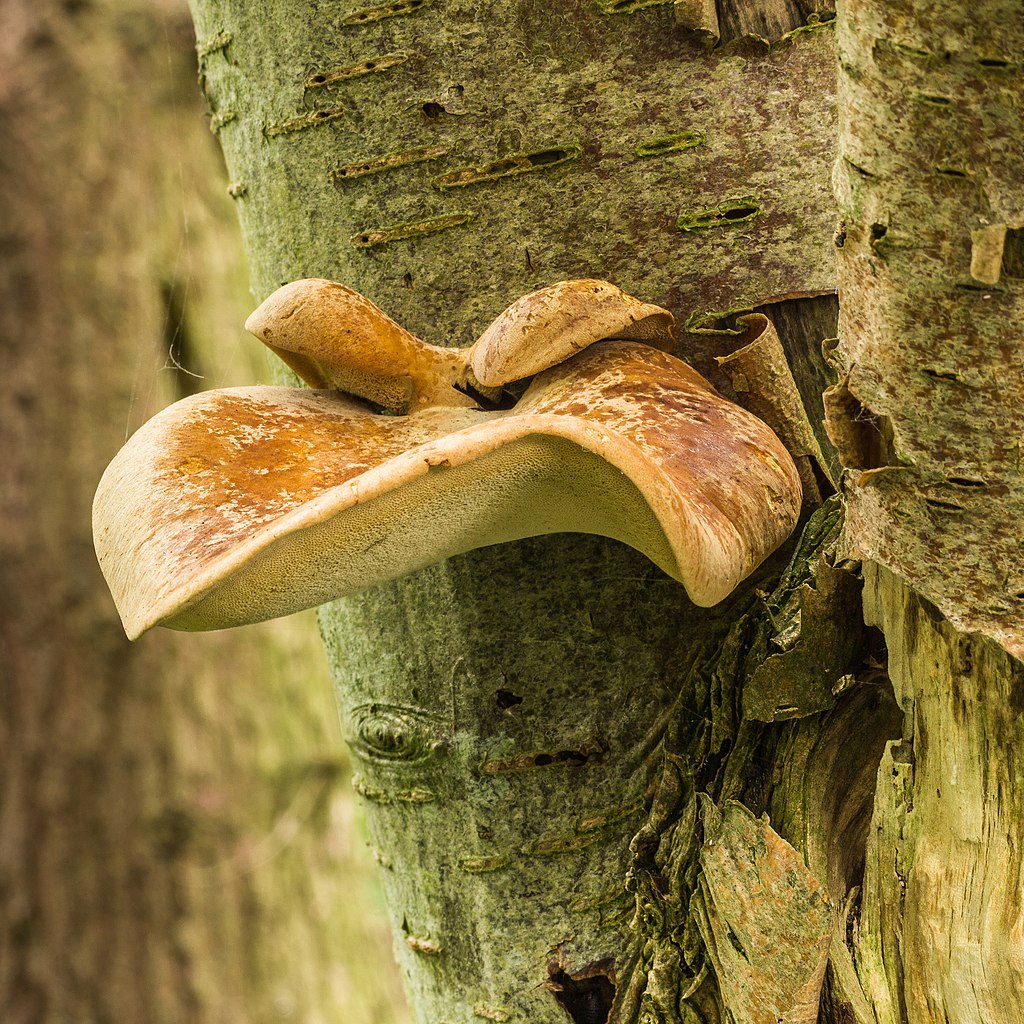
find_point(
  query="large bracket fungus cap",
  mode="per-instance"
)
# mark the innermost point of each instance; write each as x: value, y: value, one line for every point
x: 242, y: 504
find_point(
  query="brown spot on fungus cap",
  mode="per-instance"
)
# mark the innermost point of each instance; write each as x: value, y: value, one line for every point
x: 243, y: 504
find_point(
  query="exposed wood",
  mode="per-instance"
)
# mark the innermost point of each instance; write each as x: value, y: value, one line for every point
x: 764, y: 918
x: 768, y: 19
x: 938, y: 932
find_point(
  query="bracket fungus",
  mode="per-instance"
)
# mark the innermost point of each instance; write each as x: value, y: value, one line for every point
x: 242, y: 504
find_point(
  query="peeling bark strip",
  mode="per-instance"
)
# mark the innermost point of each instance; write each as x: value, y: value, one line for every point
x: 762, y: 379
x: 807, y: 661
x: 765, y: 919
x: 700, y: 16
x: 930, y: 321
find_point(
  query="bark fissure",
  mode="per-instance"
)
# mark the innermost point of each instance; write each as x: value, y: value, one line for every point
x: 588, y: 996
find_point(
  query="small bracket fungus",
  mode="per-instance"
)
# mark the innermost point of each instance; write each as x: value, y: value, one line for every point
x: 242, y: 504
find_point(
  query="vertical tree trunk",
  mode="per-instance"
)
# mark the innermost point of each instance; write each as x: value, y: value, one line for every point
x: 520, y: 714
x: 172, y: 844
x: 564, y: 761
x: 928, y: 415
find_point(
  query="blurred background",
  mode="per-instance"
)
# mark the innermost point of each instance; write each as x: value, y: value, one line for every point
x: 178, y: 841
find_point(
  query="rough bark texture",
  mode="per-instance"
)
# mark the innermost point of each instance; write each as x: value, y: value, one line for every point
x: 929, y: 413
x: 443, y: 164
x: 172, y: 844
x: 537, y: 725
x: 927, y: 417
x: 504, y: 787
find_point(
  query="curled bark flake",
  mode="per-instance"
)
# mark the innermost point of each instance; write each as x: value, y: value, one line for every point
x: 762, y: 379
x: 700, y: 16
x: 863, y: 439
x: 765, y: 919
x: 987, y: 253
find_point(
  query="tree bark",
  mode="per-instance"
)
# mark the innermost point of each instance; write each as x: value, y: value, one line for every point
x: 534, y: 723
x: 565, y: 763
x: 173, y: 846
x: 928, y: 416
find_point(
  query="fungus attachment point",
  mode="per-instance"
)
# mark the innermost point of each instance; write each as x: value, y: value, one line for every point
x: 242, y: 504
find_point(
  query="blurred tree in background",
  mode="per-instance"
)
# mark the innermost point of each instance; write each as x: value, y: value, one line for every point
x: 176, y: 842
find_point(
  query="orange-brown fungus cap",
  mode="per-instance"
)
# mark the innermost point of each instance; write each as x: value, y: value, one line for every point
x: 553, y: 323
x: 333, y: 337
x: 243, y: 504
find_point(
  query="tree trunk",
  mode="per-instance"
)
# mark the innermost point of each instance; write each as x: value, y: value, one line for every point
x: 170, y: 812
x: 929, y: 413
x: 564, y: 762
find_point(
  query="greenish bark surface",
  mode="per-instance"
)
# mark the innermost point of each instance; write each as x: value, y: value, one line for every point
x: 507, y: 769
x: 533, y: 790
x: 552, y: 742
x: 444, y: 163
